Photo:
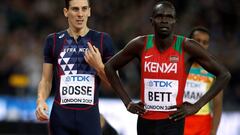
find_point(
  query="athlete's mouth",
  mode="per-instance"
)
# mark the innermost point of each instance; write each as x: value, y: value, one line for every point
x: 164, y: 28
x: 79, y: 21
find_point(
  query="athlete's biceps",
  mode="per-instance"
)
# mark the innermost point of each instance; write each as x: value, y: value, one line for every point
x: 120, y: 59
x: 211, y: 64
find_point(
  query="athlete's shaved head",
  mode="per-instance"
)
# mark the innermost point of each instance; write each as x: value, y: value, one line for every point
x: 166, y: 3
x: 68, y: 1
x: 163, y: 18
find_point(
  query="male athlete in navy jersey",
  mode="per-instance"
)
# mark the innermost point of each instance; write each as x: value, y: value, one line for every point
x: 67, y: 56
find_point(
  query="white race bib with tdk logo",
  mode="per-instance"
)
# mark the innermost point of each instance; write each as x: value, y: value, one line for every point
x: 194, y: 90
x: 160, y: 94
x: 77, y: 89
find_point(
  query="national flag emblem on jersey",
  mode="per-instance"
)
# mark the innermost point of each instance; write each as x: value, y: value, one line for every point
x: 71, y: 58
x: 174, y: 59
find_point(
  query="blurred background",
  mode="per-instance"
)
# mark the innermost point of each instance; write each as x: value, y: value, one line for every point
x: 24, y: 25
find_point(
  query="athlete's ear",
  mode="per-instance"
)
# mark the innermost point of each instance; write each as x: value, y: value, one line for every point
x: 65, y: 12
x: 89, y: 12
x: 151, y: 20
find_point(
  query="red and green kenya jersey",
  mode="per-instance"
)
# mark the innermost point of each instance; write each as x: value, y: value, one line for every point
x: 163, y: 77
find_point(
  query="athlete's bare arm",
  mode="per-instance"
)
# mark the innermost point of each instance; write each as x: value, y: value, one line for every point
x: 194, y: 52
x: 217, y: 112
x: 44, y: 90
x: 132, y: 50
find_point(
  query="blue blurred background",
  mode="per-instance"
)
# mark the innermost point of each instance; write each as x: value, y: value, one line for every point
x: 24, y: 24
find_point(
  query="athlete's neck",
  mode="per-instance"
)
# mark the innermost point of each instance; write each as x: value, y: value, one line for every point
x: 163, y: 43
x: 75, y: 33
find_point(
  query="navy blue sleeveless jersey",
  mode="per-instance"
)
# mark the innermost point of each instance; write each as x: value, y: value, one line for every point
x: 67, y: 57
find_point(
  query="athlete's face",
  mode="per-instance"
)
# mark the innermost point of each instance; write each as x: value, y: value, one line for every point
x: 163, y: 19
x: 77, y: 14
x: 202, y: 38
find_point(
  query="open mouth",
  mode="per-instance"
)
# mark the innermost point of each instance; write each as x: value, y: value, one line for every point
x: 79, y: 21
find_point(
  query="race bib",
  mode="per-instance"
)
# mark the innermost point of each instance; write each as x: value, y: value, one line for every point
x: 194, y: 90
x: 160, y: 94
x: 77, y: 89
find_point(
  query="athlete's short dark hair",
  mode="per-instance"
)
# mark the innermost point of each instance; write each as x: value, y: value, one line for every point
x: 67, y: 3
x: 199, y: 28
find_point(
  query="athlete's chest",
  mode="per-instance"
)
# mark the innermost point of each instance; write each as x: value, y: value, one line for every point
x: 71, y: 55
x: 165, y: 62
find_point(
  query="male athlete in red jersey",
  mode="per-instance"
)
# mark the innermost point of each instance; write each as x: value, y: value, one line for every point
x: 165, y: 62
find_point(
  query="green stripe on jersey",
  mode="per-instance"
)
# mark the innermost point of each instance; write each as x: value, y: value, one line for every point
x: 149, y: 41
x: 178, y: 44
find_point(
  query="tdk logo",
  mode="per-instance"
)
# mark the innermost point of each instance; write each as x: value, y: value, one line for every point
x: 193, y: 85
x: 150, y: 83
x: 77, y: 78
x: 68, y: 79
x: 160, y: 84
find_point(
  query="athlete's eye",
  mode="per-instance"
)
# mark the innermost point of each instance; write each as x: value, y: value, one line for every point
x: 85, y: 8
x: 75, y: 9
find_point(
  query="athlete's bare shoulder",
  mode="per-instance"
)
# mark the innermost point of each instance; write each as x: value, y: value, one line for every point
x: 139, y: 41
x: 136, y: 45
x: 194, y: 49
x: 191, y: 45
x: 189, y: 41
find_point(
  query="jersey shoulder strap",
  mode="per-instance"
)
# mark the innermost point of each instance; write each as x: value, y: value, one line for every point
x: 178, y: 44
x: 58, y: 41
x: 149, y: 41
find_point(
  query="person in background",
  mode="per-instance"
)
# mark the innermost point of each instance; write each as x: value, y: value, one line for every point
x: 206, y: 120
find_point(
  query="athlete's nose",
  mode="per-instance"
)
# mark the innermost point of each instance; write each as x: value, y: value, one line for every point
x: 80, y: 13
